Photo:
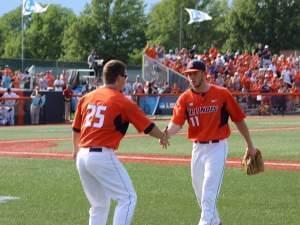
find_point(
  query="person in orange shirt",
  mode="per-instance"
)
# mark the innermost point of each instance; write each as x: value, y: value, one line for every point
x: 175, y: 89
x: 101, y: 121
x: 207, y: 108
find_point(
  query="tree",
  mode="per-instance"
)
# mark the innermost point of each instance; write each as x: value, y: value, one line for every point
x: 45, y: 32
x: 164, y: 24
x: 112, y: 28
x: 273, y: 22
x: 10, y: 39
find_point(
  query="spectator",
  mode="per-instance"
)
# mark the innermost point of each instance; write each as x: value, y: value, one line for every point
x: 49, y: 78
x: 11, y: 103
x: 6, y: 80
x: 175, y: 89
x: 42, y: 83
x: 266, y: 56
x: 91, y: 59
x: 59, y: 83
x: 67, y: 93
x: 36, y: 104
x: 136, y: 83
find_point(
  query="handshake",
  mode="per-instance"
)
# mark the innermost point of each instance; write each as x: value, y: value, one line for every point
x: 164, y: 139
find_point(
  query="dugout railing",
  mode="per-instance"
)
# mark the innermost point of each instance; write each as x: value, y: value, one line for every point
x: 251, y: 103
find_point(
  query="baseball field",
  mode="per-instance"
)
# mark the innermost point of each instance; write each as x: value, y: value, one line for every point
x: 40, y: 186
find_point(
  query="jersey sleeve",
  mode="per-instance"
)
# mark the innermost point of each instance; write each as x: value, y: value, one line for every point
x: 234, y: 109
x: 76, y: 126
x: 179, y: 112
x: 137, y: 117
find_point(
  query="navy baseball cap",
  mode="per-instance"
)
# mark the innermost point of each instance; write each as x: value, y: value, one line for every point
x: 195, y: 66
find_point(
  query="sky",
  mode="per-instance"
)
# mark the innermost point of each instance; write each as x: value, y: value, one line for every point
x: 76, y: 5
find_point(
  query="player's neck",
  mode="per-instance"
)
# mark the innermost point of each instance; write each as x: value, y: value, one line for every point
x: 112, y: 86
x: 204, y: 87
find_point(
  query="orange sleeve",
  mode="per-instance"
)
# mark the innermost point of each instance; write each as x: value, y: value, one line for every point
x: 235, y: 111
x: 179, y: 112
x: 78, y: 117
x: 137, y: 117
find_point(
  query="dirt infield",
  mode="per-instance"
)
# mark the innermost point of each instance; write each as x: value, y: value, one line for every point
x: 38, y: 149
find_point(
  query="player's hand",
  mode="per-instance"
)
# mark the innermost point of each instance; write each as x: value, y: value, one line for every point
x: 251, y: 151
x: 74, y: 155
x: 164, y: 140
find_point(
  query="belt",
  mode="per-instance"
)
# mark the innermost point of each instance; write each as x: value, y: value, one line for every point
x: 95, y: 150
x: 207, y: 142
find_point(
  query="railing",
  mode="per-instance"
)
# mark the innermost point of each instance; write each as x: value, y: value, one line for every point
x: 251, y: 103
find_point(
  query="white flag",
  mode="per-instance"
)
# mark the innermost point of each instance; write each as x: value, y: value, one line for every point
x: 30, y: 6
x: 197, y: 16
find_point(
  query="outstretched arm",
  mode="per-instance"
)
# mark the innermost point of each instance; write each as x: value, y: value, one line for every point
x: 172, y: 129
x: 157, y: 133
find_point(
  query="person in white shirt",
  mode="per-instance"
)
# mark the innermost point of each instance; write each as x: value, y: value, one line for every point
x: 11, y: 104
x: 59, y: 83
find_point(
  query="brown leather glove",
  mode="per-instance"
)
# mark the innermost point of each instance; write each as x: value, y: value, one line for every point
x: 253, y: 164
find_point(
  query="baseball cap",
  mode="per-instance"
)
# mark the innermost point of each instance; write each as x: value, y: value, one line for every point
x: 195, y: 66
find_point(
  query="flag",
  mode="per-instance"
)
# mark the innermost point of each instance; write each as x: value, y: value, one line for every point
x: 197, y: 16
x: 30, y: 6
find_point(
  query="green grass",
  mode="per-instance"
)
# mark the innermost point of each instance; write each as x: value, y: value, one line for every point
x: 276, y: 145
x: 50, y: 191
x: 50, y: 194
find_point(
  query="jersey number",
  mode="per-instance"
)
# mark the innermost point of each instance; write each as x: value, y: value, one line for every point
x: 195, y: 121
x: 95, y: 111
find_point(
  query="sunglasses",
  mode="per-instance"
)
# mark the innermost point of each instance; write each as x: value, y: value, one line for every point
x: 124, y: 75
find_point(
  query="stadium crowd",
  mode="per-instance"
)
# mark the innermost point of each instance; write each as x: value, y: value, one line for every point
x: 258, y: 71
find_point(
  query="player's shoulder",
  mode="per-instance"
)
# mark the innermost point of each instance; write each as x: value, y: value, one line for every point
x: 219, y: 89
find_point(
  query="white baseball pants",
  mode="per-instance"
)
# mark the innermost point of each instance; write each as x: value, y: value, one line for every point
x: 103, y: 178
x: 207, y: 169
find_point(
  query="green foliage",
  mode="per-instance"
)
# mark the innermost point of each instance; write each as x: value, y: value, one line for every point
x: 10, y: 34
x: 164, y: 24
x: 119, y: 28
x: 274, y: 22
x: 44, y: 35
x: 112, y: 28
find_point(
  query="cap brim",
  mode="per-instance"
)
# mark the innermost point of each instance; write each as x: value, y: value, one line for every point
x: 190, y: 71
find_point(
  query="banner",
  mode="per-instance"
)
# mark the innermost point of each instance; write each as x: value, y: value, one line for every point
x: 197, y: 16
x: 30, y: 6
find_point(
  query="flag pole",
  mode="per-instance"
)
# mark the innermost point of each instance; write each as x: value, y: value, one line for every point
x: 22, y: 40
x: 180, y: 27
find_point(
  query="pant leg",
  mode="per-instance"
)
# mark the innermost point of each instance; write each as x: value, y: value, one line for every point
x: 114, y: 179
x: 197, y: 172
x: 94, y: 191
x: 215, y: 157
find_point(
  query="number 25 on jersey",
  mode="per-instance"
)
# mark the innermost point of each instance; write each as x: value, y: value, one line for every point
x: 95, y: 117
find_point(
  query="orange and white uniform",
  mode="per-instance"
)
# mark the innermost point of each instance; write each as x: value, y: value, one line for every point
x: 207, y: 114
x: 102, y: 118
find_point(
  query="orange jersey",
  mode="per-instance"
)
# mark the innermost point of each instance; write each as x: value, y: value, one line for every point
x: 103, y: 115
x: 207, y: 114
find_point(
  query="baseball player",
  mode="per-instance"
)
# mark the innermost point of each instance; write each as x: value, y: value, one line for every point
x: 206, y: 108
x: 101, y: 121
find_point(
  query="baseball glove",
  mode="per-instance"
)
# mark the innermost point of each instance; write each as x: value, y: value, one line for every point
x: 253, y: 164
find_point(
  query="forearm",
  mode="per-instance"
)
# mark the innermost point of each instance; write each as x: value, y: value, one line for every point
x: 173, y: 128
x: 75, y: 141
x: 244, y: 131
x: 156, y: 133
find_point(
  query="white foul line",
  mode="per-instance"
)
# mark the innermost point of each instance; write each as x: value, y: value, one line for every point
x: 138, y: 158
